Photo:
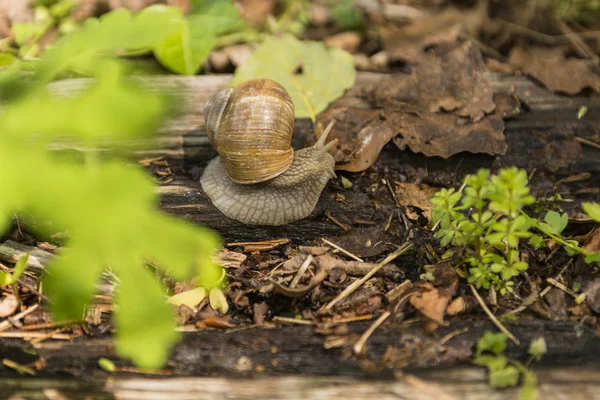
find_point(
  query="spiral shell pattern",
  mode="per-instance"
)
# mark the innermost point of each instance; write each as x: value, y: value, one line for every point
x: 251, y: 128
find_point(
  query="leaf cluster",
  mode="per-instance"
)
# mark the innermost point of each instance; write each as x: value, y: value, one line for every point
x: 504, y: 372
x: 485, y: 221
x: 179, y: 42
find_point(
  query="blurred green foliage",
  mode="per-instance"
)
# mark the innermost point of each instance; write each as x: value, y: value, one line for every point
x: 347, y: 16
x: 107, y: 206
x: 313, y: 74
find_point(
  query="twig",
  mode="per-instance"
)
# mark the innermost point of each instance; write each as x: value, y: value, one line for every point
x: 48, y: 335
x: 389, y: 185
x: 292, y: 321
x: 34, y: 335
x: 492, y: 317
x: 335, y: 221
x: 356, y: 318
x: 578, y: 43
x: 588, y: 142
x: 578, y: 298
x: 451, y: 335
x: 52, y: 324
x: 389, y: 222
x: 355, y: 285
x: 4, y: 325
x: 358, y: 346
x: 301, y: 271
x: 346, y: 252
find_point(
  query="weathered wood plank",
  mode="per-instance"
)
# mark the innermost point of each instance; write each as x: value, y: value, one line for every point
x: 183, y: 142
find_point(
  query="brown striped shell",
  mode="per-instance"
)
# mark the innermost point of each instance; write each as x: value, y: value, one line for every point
x: 251, y: 128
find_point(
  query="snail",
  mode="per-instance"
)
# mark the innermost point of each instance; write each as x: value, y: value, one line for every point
x: 257, y: 178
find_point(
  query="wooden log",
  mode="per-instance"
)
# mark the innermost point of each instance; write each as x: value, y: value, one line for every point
x: 446, y: 384
x: 183, y: 143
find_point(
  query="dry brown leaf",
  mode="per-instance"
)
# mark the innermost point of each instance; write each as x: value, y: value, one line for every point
x: 430, y: 301
x: 411, y: 195
x: 554, y: 69
x: 462, y: 304
x: 8, y: 306
x: 361, y: 135
x: 444, y: 107
x: 593, y: 242
x: 410, y: 42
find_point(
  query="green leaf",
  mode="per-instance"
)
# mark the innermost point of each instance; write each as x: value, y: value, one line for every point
x: 593, y: 210
x: 106, y: 364
x: 537, y: 242
x: 491, y: 342
x: 6, y: 59
x: 346, y: 182
x: 185, y: 50
x: 9, y: 279
x: 537, y: 348
x: 315, y: 75
x: 144, y: 322
x: 556, y: 221
x: 506, y: 377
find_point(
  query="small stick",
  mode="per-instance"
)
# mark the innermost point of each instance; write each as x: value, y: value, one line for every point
x: 301, y: 271
x: 358, y: 346
x: 389, y: 185
x: 346, y: 252
x: 335, y: 221
x: 4, y: 325
x: 389, y: 222
x: 588, y: 142
x: 562, y: 287
x: 34, y: 335
x: 52, y: 324
x: 364, y: 222
x: 292, y: 321
x: 357, y: 318
x: 492, y: 317
x: 48, y: 335
x: 355, y: 285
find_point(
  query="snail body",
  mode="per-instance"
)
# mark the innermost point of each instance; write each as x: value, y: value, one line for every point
x: 257, y: 178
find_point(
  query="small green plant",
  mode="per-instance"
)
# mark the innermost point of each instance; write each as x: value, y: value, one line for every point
x: 504, y: 372
x: 486, y: 221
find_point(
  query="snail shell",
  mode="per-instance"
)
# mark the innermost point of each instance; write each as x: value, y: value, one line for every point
x: 251, y: 127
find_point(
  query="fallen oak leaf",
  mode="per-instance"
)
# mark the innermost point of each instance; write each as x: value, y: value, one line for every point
x: 413, y: 195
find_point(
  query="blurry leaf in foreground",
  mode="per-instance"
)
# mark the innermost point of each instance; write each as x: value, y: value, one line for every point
x: 312, y: 73
x: 593, y: 210
x: 112, y: 216
x: 185, y: 50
